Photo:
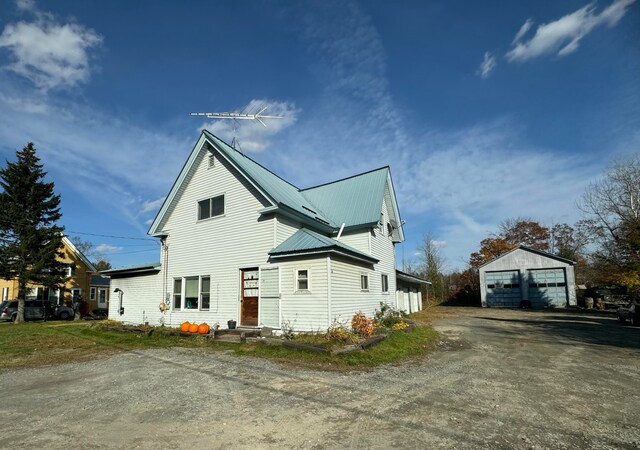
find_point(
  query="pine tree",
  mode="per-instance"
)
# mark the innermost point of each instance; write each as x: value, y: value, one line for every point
x: 30, y: 240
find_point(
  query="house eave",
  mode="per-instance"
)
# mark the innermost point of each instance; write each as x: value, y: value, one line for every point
x: 321, y: 251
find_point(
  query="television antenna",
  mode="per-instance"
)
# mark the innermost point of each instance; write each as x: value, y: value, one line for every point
x: 257, y: 116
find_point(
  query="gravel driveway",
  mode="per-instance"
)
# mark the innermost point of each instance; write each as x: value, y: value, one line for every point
x: 502, y: 379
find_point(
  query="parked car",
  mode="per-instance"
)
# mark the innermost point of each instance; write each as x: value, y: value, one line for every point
x: 34, y: 310
x: 630, y: 313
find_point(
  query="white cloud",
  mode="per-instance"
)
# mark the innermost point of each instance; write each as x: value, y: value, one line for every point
x: 487, y: 65
x: 49, y: 54
x: 106, y: 248
x: 523, y: 30
x: 563, y: 36
x: 253, y: 136
x: 26, y: 5
x: 152, y: 205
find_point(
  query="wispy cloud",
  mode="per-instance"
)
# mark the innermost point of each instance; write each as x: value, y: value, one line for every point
x: 487, y: 65
x: 52, y: 55
x: 562, y: 37
x: 152, y: 205
x: 106, y: 248
x: 253, y: 136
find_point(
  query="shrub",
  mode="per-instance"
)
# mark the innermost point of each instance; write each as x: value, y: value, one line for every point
x: 388, y: 316
x: 399, y: 325
x: 361, y: 324
x: 338, y: 333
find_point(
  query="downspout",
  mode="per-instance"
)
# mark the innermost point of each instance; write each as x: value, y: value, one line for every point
x: 329, y: 321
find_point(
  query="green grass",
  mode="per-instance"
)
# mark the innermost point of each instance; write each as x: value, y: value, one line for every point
x: 38, y: 344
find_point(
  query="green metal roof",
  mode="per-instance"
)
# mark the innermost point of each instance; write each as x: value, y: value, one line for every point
x: 356, y: 200
x: 307, y: 241
x: 280, y: 191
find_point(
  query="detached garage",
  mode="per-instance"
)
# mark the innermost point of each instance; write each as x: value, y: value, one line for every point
x: 528, y: 276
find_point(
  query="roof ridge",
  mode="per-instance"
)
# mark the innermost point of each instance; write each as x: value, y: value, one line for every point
x: 252, y: 160
x: 346, y: 178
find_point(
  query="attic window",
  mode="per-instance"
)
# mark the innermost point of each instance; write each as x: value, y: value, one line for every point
x: 211, y: 207
x: 212, y: 161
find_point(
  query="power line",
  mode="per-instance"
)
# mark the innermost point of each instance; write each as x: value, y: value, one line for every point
x: 112, y: 236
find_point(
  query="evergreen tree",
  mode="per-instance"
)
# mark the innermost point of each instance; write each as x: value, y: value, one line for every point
x: 30, y: 240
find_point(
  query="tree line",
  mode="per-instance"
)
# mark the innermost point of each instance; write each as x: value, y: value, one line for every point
x: 604, y: 243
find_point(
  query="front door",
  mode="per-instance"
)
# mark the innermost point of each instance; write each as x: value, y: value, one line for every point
x: 249, y: 299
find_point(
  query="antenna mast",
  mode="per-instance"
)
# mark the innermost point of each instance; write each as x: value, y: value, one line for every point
x: 258, y: 116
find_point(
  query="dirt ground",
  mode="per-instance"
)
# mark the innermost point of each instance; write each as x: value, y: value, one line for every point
x: 501, y: 379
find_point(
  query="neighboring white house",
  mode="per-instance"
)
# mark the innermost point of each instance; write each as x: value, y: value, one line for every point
x: 239, y: 243
x: 528, y: 275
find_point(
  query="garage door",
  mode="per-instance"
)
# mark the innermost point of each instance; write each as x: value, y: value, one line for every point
x: 503, y: 288
x: 547, y: 287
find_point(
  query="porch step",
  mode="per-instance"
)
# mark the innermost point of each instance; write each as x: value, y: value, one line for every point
x: 248, y: 332
x: 232, y: 338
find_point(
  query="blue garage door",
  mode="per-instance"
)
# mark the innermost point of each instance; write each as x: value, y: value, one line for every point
x: 547, y: 287
x: 503, y: 288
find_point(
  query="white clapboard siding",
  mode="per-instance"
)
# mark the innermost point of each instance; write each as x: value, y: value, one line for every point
x: 306, y: 310
x: 285, y: 228
x: 269, y: 303
x: 217, y: 247
x: 141, y: 297
x: 358, y: 239
x: 346, y: 296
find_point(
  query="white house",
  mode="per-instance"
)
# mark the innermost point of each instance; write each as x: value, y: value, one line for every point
x: 239, y: 243
x: 528, y: 275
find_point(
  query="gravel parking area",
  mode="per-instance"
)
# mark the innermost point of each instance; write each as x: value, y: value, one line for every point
x: 501, y: 379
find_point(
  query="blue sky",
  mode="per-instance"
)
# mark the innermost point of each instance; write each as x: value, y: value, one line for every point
x: 483, y: 110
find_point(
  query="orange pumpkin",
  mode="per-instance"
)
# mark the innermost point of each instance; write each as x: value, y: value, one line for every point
x: 203, y: 328
x: 193, y: 328
x: 185, y: 326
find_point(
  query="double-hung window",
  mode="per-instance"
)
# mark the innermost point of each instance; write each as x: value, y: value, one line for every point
x: 364, y: 282
x: 177, y: 294
x: 385, y: 283
x: 302, y: 280
x: 191, y: 293
x: 205, y: 288
x: 211, y: 207
x: 92, y: 294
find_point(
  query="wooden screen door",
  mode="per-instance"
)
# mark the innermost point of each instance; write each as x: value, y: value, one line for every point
x: 249, y: 301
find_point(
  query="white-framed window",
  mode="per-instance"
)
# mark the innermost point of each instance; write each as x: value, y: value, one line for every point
x: 5, y: 293
x: 177, y: 294
x: 303, y: 280
x: 364, y: 282
x: 192, y: 293
x: 212, y: 161
x: 102, y: 297
x: 211, y: 207
x: 92, y: 293
x: 70, y: 270
x: 205, y: 293
x: 385, y: 283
